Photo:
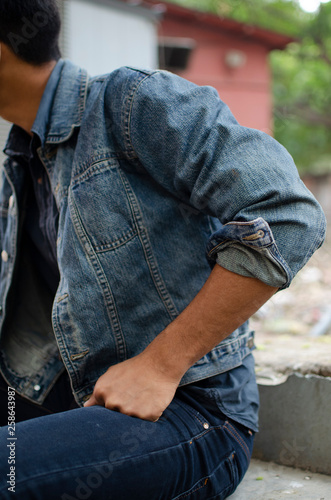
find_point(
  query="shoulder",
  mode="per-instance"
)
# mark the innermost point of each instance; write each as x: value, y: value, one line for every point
x: 123, y: 78
x: 134, y: 82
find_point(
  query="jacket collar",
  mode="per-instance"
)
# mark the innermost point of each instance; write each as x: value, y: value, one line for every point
x: 68, y: 105
x: 41, y: 122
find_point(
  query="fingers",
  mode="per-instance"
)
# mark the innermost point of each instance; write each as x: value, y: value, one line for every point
x: 143, y: 411
x: 98, y: 396
x: 134, y: 389
x: 91, y: 402
x: 137, y: 408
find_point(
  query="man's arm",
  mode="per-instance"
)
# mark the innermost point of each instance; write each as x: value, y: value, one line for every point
x: 145, y: 385
x: 188, y: 141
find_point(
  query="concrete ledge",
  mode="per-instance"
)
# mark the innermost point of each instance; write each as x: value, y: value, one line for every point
x: 268, y: 481
x: 295, y: 423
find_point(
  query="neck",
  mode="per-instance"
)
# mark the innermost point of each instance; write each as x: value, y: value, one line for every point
x: 21, y: 88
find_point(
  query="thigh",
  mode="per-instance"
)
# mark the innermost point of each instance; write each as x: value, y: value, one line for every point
x: 95, y: 453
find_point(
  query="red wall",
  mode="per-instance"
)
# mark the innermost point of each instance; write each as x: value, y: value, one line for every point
x: 247, y: 89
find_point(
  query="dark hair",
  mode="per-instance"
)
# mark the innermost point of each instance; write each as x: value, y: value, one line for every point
x: 31, y: 28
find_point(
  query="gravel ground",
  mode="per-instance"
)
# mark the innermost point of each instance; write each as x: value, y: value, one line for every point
x: 293, y: 330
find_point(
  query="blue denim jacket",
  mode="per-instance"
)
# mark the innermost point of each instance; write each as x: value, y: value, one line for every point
x: 155, y: 181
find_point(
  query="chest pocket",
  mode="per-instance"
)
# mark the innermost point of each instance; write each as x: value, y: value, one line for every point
x: 103, y: 201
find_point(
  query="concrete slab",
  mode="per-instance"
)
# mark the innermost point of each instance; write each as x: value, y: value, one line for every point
x: 268, y: 481
x: 295, y: 424
x: 285, y: 327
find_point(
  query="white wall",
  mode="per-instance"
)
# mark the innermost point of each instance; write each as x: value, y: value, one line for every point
x: 101, y: 38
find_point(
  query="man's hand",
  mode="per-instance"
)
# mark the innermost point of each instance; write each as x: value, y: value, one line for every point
x: 135, y: 387
x: 145, y: 385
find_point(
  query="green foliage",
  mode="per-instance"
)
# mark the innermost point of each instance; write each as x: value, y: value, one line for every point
x: 284, y: 16
x: 301, y: 73
x: 302, y: 98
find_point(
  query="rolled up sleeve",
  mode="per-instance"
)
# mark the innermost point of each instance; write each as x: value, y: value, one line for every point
x: 249, y: 249
x: 189, y: 141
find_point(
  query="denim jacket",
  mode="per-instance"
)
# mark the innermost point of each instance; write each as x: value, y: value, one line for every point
x: 155, y: 182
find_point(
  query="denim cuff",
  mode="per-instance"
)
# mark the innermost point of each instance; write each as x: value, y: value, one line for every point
x: 249, y: 249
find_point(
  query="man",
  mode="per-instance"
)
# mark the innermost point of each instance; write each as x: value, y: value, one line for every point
x: 141, y: 227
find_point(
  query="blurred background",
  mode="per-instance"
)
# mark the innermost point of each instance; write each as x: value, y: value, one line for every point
x: 270, y: 61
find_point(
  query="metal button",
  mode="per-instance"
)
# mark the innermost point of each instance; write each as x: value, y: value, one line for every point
x: 11, y: 201
x: 250, y: 343
x: 4, y: 256
x: 205, y: 425
x: 37, y: 388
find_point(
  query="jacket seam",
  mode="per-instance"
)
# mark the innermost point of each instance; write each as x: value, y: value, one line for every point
x: 102, y: 280
x: 145, y: 242
x: 128, y: 112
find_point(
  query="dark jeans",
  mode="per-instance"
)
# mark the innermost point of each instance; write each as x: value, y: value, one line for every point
x: 193, y: 451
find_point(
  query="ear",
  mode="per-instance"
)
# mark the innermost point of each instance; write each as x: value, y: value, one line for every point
x: 7, y: 54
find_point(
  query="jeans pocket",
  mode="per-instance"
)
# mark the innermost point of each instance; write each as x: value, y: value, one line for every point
x: 221, y: 483
x: 191, y: 413
x: 239, y: 440
x: 232, y: 464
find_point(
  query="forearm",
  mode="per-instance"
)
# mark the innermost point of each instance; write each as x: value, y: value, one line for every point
x: 225, y: 302
x: 145, y: 385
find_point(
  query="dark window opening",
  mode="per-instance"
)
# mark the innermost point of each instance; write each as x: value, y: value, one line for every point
x: 174, y: 53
